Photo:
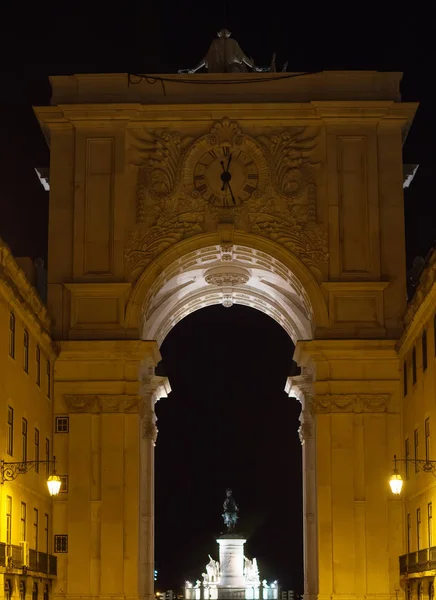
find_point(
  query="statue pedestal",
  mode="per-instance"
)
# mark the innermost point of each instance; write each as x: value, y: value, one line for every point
x: 232, y: 565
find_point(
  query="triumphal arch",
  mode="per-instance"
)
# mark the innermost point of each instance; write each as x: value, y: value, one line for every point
x: 278, y: 191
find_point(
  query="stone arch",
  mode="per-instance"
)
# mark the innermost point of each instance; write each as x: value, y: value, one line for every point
x: 206, y: 270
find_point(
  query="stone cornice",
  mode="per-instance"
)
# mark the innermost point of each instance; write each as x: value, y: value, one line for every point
x: 136, y: 350
x: 20, y: 289
x: 320, y: 350
x: 422, y: 306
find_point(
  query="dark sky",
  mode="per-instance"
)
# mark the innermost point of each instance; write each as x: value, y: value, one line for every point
x: 227, y: 366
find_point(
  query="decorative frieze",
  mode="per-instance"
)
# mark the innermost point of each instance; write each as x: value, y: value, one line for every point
x: 351, y: 403
x: 102, y: 403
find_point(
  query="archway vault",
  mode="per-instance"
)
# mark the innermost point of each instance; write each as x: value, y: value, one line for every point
x: 247, y: 270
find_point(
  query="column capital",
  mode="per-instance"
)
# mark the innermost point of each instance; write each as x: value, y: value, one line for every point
x: 301, y: 388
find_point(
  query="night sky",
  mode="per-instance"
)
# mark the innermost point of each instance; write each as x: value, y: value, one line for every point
x: 227, y: 421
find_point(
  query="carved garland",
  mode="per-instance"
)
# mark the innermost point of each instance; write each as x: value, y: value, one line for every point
x: 168, y: 213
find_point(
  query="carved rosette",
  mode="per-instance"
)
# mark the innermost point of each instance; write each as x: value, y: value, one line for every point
x: 227, y: 276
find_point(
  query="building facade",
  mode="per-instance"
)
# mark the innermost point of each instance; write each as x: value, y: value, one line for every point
x: 27, y: 359
x: 417, y: 355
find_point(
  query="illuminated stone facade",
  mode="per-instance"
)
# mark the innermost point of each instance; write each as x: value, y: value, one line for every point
x: 27, y: 358
x: 417, y: 352
x: 144, y: 230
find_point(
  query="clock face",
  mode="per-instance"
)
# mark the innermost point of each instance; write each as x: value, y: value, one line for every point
x: 226, y: 176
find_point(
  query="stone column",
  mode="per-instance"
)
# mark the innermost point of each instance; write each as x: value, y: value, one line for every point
x: 152, y: 389
x: 300, y: 387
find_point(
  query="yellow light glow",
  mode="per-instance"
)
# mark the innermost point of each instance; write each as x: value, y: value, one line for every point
x: 396, y: 483
x: 54, y: 484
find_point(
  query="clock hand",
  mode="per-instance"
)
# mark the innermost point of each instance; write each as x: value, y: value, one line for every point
x: 230, y: 160
x: 222, y: 164
x: 233, y: 198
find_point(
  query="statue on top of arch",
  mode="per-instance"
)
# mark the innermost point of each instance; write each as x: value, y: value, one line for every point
x: 225, y: 55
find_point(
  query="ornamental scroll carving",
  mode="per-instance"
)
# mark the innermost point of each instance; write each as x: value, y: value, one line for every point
x: 103, y: 403
x: 352, y: 403
x: 284, y: 212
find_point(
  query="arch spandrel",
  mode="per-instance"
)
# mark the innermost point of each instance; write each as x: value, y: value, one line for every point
x: 278, y: 284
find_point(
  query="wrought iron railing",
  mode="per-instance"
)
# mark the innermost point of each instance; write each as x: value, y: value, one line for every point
x: 13, y: 557
x: 417, y: 562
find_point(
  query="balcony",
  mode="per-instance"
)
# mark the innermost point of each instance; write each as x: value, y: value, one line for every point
x: 13, y: 557
x: 417, y: 562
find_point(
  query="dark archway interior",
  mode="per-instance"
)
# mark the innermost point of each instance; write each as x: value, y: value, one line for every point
x: 228, y: 422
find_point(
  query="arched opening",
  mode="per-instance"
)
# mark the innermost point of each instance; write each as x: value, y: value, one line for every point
x: 228, y: 422
x: 248, y: 272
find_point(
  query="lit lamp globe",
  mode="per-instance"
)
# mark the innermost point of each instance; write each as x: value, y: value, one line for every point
x: 396, y: 483
x: 54, y: 484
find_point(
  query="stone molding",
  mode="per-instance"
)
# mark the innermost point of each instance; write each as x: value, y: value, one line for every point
x: 104, y: 403
x: 351, y: 403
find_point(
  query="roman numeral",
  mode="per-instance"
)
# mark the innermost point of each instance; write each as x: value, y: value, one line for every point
x: 225, y: 200
x: 249, y: 189
x: 201, y: 188
x: 212, y: 198
x: 213, y: 153
x: 253, y: 176
x: 250, y: 162
x: 198, y: 177
x: 226, y: 151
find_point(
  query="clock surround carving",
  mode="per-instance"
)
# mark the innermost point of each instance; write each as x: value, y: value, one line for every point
x: 283, y: 209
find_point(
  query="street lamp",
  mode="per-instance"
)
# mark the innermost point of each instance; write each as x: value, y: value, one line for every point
x: 396, y: 481
x: 10, y: 471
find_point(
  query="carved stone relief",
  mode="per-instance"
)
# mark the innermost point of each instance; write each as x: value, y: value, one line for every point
x: 88, y: 403
x: 282, y: 208
x: 352, y: 403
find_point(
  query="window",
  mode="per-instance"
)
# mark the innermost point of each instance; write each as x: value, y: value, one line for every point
x: 419, y: 591
x: 424, y: 350
x: 427, y: 439
x: 418, y: 529
x: 430, y: 524
x: 60, y: 543
x: 407, y: 456
x: 23, y: 523
x: 35, y: 528
x: 8, y: 520
x: 26, y: 351
x: 8, y: 589
x: 405, y: 378
x: 414, y: 364
x: 45, y: 595
x: 10, y: 438
x: 48, y: 379
x: 35, y: 591
x: 64, y: 484
x: 12, y: 335
x: 46, y: 533
x: 36, y: 450
x: 47, y: 457
x: 24, y: 439
x: 22, y: 590
x: 430, y: 591
x: 62, y: 425
x: 38, y: 365
x: 416, y: 443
